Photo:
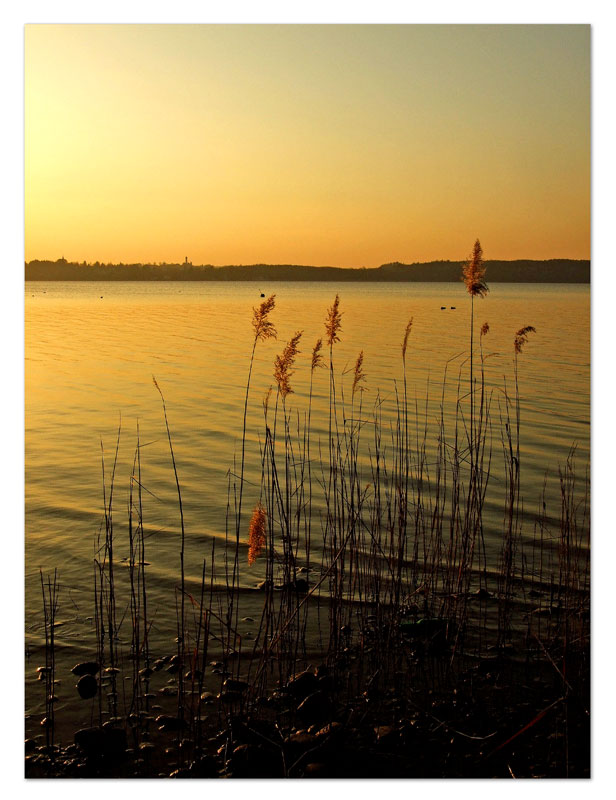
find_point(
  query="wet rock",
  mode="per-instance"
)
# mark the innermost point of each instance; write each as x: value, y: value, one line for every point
x: 85, y: 668
x: 333, y: 729
x: 204, y: 767
x: 30, y: 746
x: 180, y: 773
x: 315, y: 707
x: 87, y: 686
x: 101, y: 742
x: 230, y: 697
x: 386, y: 736
x: 233, y: 685
x: 146, y: 672
x: 301, y: 741
x: 482, y: 594
x: 302, y: 684
x: 316, y: 769
x: 263, y: 585
x: 166, y: 722
x: 255, y: 761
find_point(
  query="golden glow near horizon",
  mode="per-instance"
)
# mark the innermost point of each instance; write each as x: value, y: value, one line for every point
x: 343, y: 145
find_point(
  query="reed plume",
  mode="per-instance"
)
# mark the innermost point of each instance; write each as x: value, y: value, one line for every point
x: 333, y: 323
x: 358, y: 373
x: 521, y: 338
x: 473, y: 273
x: 407, y: 333
x: 317, y: 356
x: 485, y: 329
x: 283, y: 364
x: 256, y: 533
x: 264, y: 329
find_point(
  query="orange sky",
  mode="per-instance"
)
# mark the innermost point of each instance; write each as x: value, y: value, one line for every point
x: 342, y: 145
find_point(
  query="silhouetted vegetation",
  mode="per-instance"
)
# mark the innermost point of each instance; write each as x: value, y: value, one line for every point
x: 559, y: 270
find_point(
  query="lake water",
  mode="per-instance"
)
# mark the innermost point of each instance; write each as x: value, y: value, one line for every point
x: 91, y: 351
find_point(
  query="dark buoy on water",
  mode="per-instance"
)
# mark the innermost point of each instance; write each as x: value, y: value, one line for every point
x: 443, y: 308
x: 453, y: 308
x: 262, y: 295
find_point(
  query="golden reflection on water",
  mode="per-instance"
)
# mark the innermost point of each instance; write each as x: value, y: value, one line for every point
x: 92, y: 349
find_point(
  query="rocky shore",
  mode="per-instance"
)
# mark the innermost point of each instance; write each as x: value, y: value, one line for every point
x: 501, y: 716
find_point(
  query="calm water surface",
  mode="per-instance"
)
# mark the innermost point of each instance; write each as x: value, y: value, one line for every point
x: 92, y: 349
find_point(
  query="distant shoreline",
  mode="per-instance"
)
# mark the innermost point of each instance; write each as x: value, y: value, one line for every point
x: 519, y: 271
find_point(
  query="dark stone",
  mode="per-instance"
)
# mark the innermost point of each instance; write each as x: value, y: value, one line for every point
x: 30, y: 746
x: 232, y: 685
x: 87, y: 686
x: 386, y: 736
x: 204, y: 767
x: 85, y: 668
x: 317, y: 770
x: 315, y: 707
x: 303, y: 684
x: 101, y: 742
x: 230, y: 697
x: 334, y: 729
x: 255, y: 761
x: 166, y: 722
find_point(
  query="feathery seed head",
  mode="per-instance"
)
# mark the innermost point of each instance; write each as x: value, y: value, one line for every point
x: 264, y: 329
x: 317, y: 356
x: 283, y: 364
x: 485, y: 328
x: 256, y: 533
x: 333, y: 323
x: 358, y: 373
x: 407, y: 333
x: 473, y: 273
x: 521, y: 338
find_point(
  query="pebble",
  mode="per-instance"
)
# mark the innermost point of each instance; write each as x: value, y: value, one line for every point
x: 232, y: 685
x: 168, y: 723
x: 87, y: 686
x: 85, y: 668
x: 315, y: 707
x: 302, y: 684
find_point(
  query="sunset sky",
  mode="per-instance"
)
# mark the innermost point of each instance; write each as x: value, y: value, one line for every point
x: 342, y: 145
